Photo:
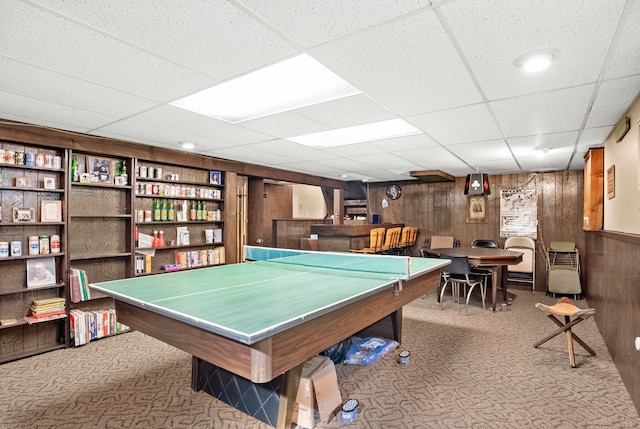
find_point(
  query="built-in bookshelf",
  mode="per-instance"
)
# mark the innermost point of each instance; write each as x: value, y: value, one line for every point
x: 100, y: 224
x: 33, y: 250
x: 178, y: 217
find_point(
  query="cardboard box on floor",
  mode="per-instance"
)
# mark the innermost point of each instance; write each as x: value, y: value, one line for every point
x: 318, y: 392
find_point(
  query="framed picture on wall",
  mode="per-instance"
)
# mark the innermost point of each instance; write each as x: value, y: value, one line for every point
x: 476, y: 209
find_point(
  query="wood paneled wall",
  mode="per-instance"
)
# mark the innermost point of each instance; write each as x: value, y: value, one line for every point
x: 611, y: 271
x: 441, y: 209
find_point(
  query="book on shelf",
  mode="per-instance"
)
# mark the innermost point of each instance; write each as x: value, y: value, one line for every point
x: 91, y: 325
x: 79, y: 286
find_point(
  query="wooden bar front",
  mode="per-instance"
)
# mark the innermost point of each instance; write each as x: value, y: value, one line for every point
x: 341, y: 238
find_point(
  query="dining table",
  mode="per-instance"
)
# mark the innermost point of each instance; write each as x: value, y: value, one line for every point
x: 495, y: 259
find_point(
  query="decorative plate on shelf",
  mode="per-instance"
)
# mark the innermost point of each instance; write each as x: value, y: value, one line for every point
x: 394, y: 192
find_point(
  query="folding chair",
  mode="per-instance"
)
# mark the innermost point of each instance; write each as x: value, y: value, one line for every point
x: 564, y: 308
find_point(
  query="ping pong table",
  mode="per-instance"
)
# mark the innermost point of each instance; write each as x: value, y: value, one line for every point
x: 263, y: 318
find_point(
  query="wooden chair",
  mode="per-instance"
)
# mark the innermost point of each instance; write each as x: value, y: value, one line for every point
x: 376, y: 238
x: 407, y: 239
x: 391, y: 240
x: 565, y: 308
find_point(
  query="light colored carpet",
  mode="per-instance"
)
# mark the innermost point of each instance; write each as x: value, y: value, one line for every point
x: 479, y: 371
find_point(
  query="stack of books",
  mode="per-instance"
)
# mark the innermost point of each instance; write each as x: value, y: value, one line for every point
x: 47, y: 309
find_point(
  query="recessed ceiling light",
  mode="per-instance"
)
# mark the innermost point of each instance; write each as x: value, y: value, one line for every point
x: 297, y: 82
x: 187, y: 145
x: 358, y: 134
x: 536, y: 61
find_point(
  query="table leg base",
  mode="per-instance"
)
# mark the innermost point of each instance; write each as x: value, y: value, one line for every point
x: 259, y: 400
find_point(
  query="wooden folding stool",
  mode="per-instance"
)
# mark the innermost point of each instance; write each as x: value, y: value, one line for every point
x: 565, y: 308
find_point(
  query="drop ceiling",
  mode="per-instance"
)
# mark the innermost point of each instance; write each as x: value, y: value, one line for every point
x: 447, y: 67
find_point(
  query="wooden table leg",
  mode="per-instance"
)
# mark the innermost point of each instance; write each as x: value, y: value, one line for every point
x: 503, y: 280
x: 289, y: 391
x: 494, y: 287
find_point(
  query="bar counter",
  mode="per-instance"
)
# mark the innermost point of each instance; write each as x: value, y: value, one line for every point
x: 341, y: 238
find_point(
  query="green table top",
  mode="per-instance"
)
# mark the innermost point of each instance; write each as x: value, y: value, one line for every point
x: 251, y: 301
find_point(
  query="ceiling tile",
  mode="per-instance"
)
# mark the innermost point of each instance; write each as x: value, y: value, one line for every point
x: 119, y: 65
x: 229, y: 52
x: 625, y: 54
x: 29, y: 109
x: 414, y: 53
x: 614, y: 96
x: 473, y: 153
x: 313, y: 23
x: 510, y: 29
x: 548, y: 112
x: 465, y: 124
x: 36, y: 82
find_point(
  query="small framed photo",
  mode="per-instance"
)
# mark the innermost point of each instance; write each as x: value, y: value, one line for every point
x: 51, y: 211
x: 100, y: 170
x: 215, y: 178
x: 476, y: 210
x: 41, y: 272
x: 24, y: 214
x: 22, y: 182
x: 120, y: 181
x: 49, y: 182
x: 85, y: 178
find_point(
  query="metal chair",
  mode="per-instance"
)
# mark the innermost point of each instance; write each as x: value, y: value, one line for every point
x: 458, y: 273
x: 525, y: 271
x: 485, y: 272
x: 438, y: 242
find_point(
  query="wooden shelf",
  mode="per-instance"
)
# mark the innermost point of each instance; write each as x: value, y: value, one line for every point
x: 100, y: 256
x: 6, y: 357
x: 28, y: 189
x: 34, y: 288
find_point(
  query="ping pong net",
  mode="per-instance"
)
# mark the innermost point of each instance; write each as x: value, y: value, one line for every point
x: 395, y: 266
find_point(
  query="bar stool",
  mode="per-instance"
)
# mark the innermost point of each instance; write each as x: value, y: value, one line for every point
x: 565, y: 308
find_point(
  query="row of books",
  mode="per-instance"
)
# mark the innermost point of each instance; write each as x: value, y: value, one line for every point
x: 189, y: 259
x: 200, y: 258
x: 79, y: 286
x: 87, y: 326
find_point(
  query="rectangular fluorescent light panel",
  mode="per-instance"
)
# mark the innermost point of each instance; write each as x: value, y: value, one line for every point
x: 358, y: 134
x: 297, y: 82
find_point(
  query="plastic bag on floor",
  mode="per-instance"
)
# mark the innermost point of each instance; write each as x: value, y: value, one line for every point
x: 369, y: 350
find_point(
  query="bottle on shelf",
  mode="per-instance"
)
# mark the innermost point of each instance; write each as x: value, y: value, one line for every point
x: 198, y: 210
x: 75, y: 169
x: 171, y: 213
x: 123, y: 173
x: 156, y: 209
x: 193, y: 212
x: 163, y: 210
x: 156, y: 240
x: 161, y: 242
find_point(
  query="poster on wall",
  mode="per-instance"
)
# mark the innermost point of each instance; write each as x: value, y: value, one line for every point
x: 518, y: 213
